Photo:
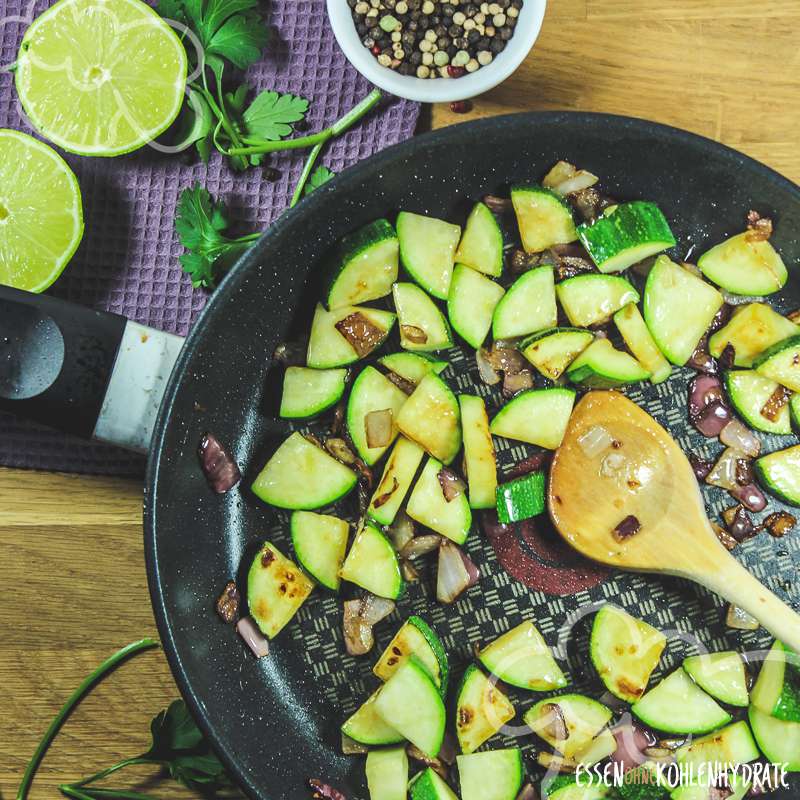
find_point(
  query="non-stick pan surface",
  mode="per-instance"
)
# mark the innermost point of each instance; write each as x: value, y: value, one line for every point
x: 275, y: 721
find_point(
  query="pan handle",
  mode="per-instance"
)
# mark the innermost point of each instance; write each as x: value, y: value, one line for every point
x: 89, y: 373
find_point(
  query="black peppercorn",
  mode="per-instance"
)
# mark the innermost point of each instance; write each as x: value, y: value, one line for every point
x: 473, y: 36
x: 454, y: 31
x: 442, y: 42
x: 506, y: 34
x: 440, y: 30
x: 405, y: 69
x: 483, y: 43
x: 461, y: 43
x: 416, y: 58
x: 497, y: 46
x: 361, y: 29
x: 448, y: 12
x: 471, y: 9
x: 451, y: 51
x: 434, y: 20
x: 408, y: 39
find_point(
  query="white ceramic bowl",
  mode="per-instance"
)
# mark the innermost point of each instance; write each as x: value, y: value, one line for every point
x: 437, y: 90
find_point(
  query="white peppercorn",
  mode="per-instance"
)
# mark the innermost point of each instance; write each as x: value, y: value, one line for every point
x: 384, y: 59
x: 459, y: 18
x: 427, y: 59
x: 401, y: 7
x: 425, y: 46
x: 499, y: 20
x: 472, y: 65
x: 460, y: 59
x: 428, y: 7
x: 423, y: 71
x: 513, y: 12
x: 441, y: 58
x: 430, y: 35
x: 484, y: 57
x: 469, y: 24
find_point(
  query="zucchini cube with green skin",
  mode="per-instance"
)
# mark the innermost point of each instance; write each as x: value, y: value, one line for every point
x: 479, y: 458
x: 415, y: 638
x: 781, y: 363
x: 364, y: 266
x: 431, y: 417
x: 398, y: 474
x: 481, y: 710
x: 528, y: 306
x: 276, y: 588
x: 522, y: 658
x: 748, y: 393
x: 633, y: 330
x: 387, y: 774
x: 428, y: 505
x: 310, y: 392
x: 744, y: 264
x: 302, y: 476
x: 679, y: 705
x: 372, y: 391
x: 481, y: 245
x: 372, y: 564
x: 327, y: 347
x: 423, y: 327
x: 429, y: 786
x: 583, y: 717
x: 573, y: 791
x: 794, y: 412
x: 411, y: 703
x: 544, y: 218
x: 367, y: 726
x: 593, y: 299
x: 320, y: 542
x: 521, y: 498
x: 732, y: 745
x: 678, y: 309
x: 553, y: 350
x: 779, y: 474
x: 722, y: 675
x: 536, y: 416
x: 471, y: 303
x: 628, y: 234
x: 777, y: 690
x: 777, y: 739
x: 492, y: 775
x: 602, y: 366
x: 412, y: 367
x: 427, y: 251
x: 751, y: 330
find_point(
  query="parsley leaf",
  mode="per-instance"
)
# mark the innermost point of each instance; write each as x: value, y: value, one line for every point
x: 270, y: 115
x: 318, y: 177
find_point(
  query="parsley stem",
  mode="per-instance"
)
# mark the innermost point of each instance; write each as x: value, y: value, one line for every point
x: 86, y: 685
x: 303, y: 179
x: 104, y: 773
x: 70, y: 791
x: 96, y: 794
x: 223, y: 119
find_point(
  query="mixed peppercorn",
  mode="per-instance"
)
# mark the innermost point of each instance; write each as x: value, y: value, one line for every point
x: 435, y: 39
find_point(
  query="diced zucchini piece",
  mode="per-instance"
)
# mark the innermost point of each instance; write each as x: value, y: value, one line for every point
x: 633, y: 329
x: 522, y: 658
x: 794, y: 412
x: 372, y: 391
x: 301, y: 475
x: 624, y: 651
x: 751, y: 330
x: 423, y: 327
x: 276, y: 588
x: 428, y: 505
x: 410, y: 702
x: 585, y: 791
x: 416, y: 638
x: 368, y: 727
x: 528, y: 306
x: 732, y: 745
x: 593, y: 299
x: 364, y: 266
x: 471, y: 304
x: 778, y: 740
x: 536, y: 416
x: 479, y: 459
x: 320, y: 542
x: 781, y: 363
x: 327, y: 347
x: 544, y: 218
x: 678, y: 308
x: 412, y: 367
x: 553, y: 350
x: 745, y: 265
x: 521, y: 498
x: 602, y: 366
x: 481, y: 710
x: 399, y: 472
x: 429, y: 786
x: 431, y: 417
x: 372, y: 564
x: 722, y: 675
x: 584, y: 719
x: 308, y: 392
x: 777, y: 690
x: 629, y: 234
x: 427, y: 250
x: 748, y: 392
x: 779, y: 473
x: 678, y: 705
x: 481, y: 245
x: 387, y: 774
x: 492, y: 775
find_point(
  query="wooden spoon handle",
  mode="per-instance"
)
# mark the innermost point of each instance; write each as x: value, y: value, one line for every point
x: 733, y: 582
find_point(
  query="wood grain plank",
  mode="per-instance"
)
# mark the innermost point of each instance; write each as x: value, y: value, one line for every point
x: 691, y: 9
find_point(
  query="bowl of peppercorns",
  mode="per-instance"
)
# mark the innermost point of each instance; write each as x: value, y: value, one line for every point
x: 436, y: 51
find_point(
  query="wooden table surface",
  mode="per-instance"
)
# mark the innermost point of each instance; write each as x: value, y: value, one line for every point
x: 72, y: 566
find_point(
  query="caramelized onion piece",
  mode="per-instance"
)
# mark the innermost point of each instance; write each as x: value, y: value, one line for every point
x: 227, y: 604
x: 726, y: 540
x: 436, y: 764
x: 519, y: 261
x: 324, y: 791
x: 632, y: 741
x: 739, y: 523
x: 487, y: 372
x: 359, y: 617
x: 414, y: 334
x: 527, y: 792
x: 727, y: 357
x: 555, y: 726
x: 516, y: 382
x: 532, y: 463
x: 350, y: 747
x: 735, y: 435
x: 750, y: 496
x: 408, y: 571
x: 629, y: 527
x: 595, y: 440
x: 452, y: 485
x: 402, y: 530
x: 341, y: 451
x: 557, y: 762
x: 759, y: 228
x: 421, y: 545
x: 456, y: 572
x: 700, y: 466
x: 362, y: 334
x: 707, y: 409
x: 497, y: 205
x: 400, y: 382
x: 740, y: 620
x: 779, y: 523
x: 218, y: 465
x: 378, y: 427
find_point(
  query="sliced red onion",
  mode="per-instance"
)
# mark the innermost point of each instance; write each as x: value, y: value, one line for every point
x: 360, y: 332
x: 626, y: 529
x: 532, y: 463
x: 516, y: 382
x: 228, y: 603
x: 414, y: 334
x: 359, y: 617
x: 497, y: 205
x: 253, y: 638
x: 595, y: 441
x: 560, y: 171
x: 218, y: 465
x: 341, y: 451
x: 739, y: 523
x: 486, y: 371
x: 447, y: 752
x: 350, y: 747
x: 700, y: 466
x: 779, y: 523
x: 735, y: 435
x: 632, y: 741
x: 750, y: 496
x: 408, y: 571
x: 436, y: 764
x: 519, y: 261
x: 402, y: 530
x: 707, y: 409
x: 378, y: 427
x: 504, y: 357
x: 579, y: 181
x: 452, y: 485
x: 712, y: 419
x: 702, y: 360
x: 721, y: 318
x: 727, y: 358
x: 324, y: 791
x: 407, y: 387
x: 456, y: 572
x: 589, y: 203
x: 421, y: 546
x: 740, y: 620
x: 723, y: 473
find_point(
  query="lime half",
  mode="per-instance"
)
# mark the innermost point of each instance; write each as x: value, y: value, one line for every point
x: 101, y: 77
x: 41, y: 219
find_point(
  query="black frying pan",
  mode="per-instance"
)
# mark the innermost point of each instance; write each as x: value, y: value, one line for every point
x: 275, y: 721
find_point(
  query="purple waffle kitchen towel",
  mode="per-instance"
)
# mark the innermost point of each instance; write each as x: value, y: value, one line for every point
x: 128, y: 261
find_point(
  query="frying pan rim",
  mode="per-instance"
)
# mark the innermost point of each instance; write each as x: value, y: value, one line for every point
x: 222, y: 296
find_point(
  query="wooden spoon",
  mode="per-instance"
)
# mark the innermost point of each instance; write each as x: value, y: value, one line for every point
x: 596, y: 482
